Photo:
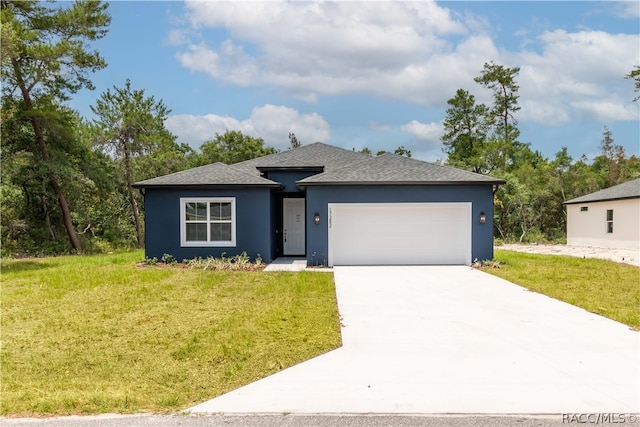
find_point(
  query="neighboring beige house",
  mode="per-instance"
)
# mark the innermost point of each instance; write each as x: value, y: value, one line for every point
x: 608, y: 218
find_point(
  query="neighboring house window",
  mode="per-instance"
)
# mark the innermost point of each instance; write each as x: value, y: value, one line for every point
x: 609, y: 220
x: 208, y: 221
x: 584, y: 208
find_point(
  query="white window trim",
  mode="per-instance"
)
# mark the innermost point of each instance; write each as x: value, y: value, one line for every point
x: 207, y: 200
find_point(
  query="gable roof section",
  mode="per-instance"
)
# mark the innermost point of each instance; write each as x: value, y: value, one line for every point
x: 626, y: 190
x: 391, y: 169
x: 217, y: 174
x: 313, y: 155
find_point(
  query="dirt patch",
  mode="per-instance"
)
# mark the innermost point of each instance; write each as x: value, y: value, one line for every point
x: 626, y: 256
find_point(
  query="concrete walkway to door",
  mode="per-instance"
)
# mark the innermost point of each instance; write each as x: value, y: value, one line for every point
x: 287, y: 264
x: 444, y: 339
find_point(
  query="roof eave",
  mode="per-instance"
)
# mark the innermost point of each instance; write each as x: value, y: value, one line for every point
x: 302, y: 183
x: 201, y: 186
x: 608, y: 199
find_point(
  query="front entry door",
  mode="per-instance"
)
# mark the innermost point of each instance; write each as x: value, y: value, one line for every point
x: 293, y: 237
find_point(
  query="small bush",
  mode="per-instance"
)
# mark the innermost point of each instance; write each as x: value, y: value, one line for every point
x: 239, y: 262
x: 151, y: 261
x: 169, y: 259
x: 487, y: 263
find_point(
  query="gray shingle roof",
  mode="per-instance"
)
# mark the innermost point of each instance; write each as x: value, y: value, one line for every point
x: 393, y: 169
x: 312, y: 155
x: 338, y: 166
x: 213, y: 174
x: 626, y: 190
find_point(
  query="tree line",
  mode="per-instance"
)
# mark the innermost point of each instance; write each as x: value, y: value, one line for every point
x: 484, y: 139
x: 66, y: 181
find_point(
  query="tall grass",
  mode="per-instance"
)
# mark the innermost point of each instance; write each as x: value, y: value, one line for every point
x: 96, y: 334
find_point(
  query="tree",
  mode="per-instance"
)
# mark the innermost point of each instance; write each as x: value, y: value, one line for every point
x: 504, y: 151
x: 167, y: 157
x: 401, y: 151
x: 294, y: 141
x: 45, y: 56
x: 466, y: 127
x: 130, y: 124
x: 560, y: 166
x: 483, y: 139
x: 31, y: 222
x: 635, y: 76
x: 233, y: 147
x: 502, y: 83
x: 612, y: 159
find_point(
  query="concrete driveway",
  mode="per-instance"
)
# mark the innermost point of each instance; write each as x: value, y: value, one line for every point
x: 451, y: 339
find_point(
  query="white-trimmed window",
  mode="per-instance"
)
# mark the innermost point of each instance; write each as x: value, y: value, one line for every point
x: 208, y: 221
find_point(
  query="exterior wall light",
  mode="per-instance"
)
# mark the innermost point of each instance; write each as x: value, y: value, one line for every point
x: 316, y: 218
x: 483, y: 218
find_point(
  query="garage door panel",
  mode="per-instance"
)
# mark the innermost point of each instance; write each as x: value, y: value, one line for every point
x: 411, y: 233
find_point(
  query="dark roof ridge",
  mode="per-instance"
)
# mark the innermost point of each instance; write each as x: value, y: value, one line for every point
x: 317, y: 154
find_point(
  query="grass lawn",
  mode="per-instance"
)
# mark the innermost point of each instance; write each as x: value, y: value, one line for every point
x: 97, y: 334
x: 603, y: 287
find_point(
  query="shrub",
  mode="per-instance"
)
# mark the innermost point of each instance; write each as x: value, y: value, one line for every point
x: 534, y: 236
x: 169, y: 259
x: 240, y: 262
x: 487, y: 263
x: 151, y: 261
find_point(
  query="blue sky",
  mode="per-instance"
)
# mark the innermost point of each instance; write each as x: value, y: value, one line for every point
x: 375, y: 74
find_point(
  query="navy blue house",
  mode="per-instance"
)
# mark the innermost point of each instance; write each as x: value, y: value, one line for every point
x: 330, y: 205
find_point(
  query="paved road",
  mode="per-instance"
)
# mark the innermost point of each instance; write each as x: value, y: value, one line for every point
x: 315, y: 420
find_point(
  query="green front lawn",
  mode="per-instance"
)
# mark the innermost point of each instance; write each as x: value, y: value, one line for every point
x: 97, y: 334
x: 603, y: 287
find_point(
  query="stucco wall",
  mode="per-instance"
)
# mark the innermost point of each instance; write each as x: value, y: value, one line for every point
x: 481, y: 197
x: 589, y: 228
x: 162, y: 223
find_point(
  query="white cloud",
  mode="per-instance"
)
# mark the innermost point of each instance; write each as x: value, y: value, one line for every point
x: 424, y: 132
x: 574, y: 70
x: 389, y: 49
x: 627, y: 9
x: 605, y: 110
x: 415, y: 52
x: 270, y: 122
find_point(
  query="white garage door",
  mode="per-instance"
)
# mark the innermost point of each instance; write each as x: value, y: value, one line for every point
x: 399, y: 233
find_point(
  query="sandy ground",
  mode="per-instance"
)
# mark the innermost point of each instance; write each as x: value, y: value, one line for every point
x: 627, y: 256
